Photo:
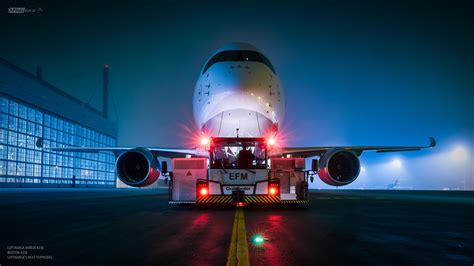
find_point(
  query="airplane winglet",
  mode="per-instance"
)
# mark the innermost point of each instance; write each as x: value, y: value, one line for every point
x: 432, y: 142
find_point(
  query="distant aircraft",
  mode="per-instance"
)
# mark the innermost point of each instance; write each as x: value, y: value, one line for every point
x: 396, y: 186
x: 393, y: 185
x: 239, y: 104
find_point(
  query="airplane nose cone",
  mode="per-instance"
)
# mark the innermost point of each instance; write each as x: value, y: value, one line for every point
x: 228, y: 86
x: 241, y: 77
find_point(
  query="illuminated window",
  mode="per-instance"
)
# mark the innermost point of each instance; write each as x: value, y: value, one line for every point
x: 13, y: 123
x: 3, y: 105
x: 12, y: 153
x: 22, y: 111
x: 3, y: 120
x: 21, y: 154
x: 21, y: 168
x: 3, y: 152
x: 29, y: 169
x: 3, y: 168
x: 3, y: 136
x: 13, y: 108
x: 22, y: 162
x: 11, y: 168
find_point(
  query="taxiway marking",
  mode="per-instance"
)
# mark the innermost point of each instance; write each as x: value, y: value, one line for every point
x: 238, y: 250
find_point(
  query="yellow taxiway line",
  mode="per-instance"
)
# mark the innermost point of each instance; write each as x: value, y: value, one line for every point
x: 238, y: 250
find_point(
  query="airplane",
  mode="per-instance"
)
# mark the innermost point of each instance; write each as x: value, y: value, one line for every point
x: 396, y: 186
x: 239, y: 107
x: 393, y: 185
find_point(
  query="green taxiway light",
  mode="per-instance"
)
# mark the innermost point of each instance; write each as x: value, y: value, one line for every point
x: 258, y: 240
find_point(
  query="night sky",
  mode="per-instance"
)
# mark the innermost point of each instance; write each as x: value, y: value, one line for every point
x: 368, y: 73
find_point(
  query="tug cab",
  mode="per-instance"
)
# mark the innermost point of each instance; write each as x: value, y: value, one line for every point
x: 238, y: 170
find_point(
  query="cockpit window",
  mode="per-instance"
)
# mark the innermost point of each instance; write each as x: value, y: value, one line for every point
x: 238, y: 55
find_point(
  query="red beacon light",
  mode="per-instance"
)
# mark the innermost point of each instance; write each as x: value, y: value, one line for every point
x: 271, y: 141
x: 203, y: 191
x: 273, y: 191
x: 274, y: 187
x: 205, y: 141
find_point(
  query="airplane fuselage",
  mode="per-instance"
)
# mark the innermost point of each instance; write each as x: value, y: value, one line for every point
x: 238, y: 88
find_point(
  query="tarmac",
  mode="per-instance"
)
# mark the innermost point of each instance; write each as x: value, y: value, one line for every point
x: 139, y: 227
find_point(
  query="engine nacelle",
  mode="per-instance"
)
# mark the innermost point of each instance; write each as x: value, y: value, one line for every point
x: 338, y: 167
x: 138, y: 167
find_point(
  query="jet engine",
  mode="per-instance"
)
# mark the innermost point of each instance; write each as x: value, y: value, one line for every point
x: 138, y: 167
x: 338, y: 167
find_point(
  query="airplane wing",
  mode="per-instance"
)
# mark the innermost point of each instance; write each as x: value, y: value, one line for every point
x: 319, y: 151
x: 161, y: 152
x: 294, y: 151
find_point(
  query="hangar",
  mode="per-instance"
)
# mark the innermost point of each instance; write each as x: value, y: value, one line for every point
x: 32, y: 109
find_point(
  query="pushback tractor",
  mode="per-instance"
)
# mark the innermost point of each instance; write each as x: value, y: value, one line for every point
x: 238, y: 171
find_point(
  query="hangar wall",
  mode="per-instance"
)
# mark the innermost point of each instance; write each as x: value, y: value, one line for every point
x: 31, y: 108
